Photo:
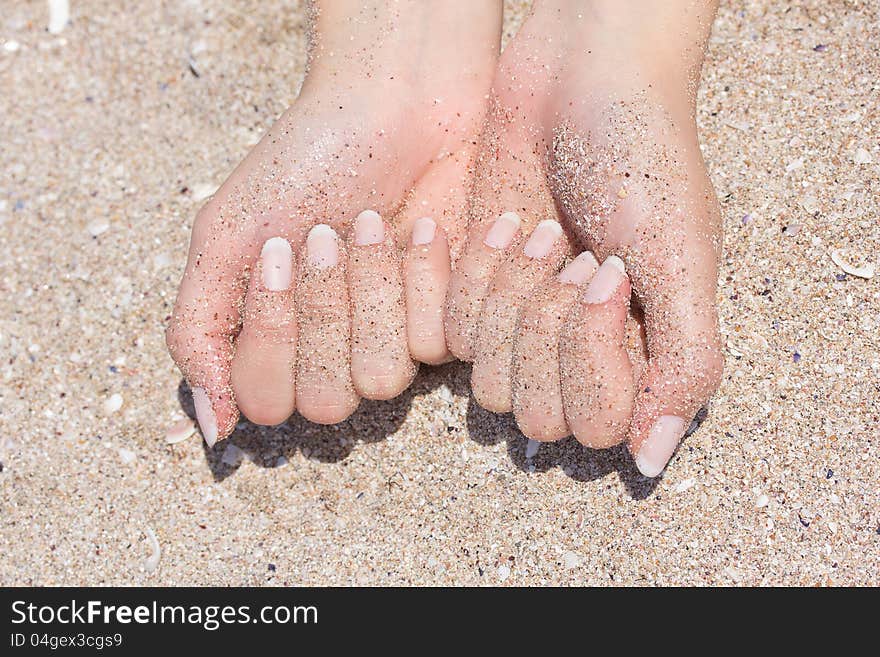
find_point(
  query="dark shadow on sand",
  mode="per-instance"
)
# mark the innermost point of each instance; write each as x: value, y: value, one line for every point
x: 372, y: 422
x: 569, y: 455
x: 376, y: 420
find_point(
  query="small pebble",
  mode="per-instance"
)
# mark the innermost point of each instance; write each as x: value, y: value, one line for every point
x: 762, y: 501
x: 503, y: 572
x: 202, y: 191
x: 97, y: 227
x: 127, y: 455
x: 444, y: 393
x: 112, y: 404
x: 232, y: 455
x: 733, y: 573
x: 810, y: 204
x: 152, y: 562
x: 862, y: 156
x: 59, y: 15
x: 11, y: 46
x: 532, y: 448
x: 682, y: 486
x: 180, y: 431
x: 571, y: 560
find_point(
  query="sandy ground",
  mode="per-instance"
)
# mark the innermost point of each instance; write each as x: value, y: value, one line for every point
x: 109, y: 137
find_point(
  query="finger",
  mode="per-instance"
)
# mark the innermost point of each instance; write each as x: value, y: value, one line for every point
x: 426, y: 279
x: 324, y: 390
x: 597, y: 381
x: 541, y: 256
x: 264, y: 365
x: 685, y: 363
x: 537, y: 392
x: 380, y: 364
x: 469, y: 283
x: 206, y: 316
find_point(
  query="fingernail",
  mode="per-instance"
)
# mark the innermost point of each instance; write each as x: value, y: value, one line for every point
x: 660, y: 444
x: 368, y: 228
x: 606, y: 280
x: 205, y: 416
x: 542, y: 239
x: 277, y: 259
x: 423, y: 231
x: 322, y: 248
x: 579, y: 270
x: 502, y: 232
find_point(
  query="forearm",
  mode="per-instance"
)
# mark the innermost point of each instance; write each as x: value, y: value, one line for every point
x: 665, y: 36
x: 408, y: 42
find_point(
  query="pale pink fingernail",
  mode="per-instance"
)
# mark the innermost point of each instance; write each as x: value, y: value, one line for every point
x: 423, y: 231
x: 277, y: 257
x: 322, y: 247
x: 542, y: 239
x: 503, y: 231
x: 606, y: 280
x: 205, y: 415
x: 660, y: 444
x: 368, y: 228
x: 579, y: 270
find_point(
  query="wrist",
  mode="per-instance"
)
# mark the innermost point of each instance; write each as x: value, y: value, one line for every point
x: 660, y: 39
x: 427, y: 46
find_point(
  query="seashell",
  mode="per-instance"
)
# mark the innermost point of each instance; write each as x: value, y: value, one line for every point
x: 152, y: 562
x: 867, y: 271
x: 180, y: 431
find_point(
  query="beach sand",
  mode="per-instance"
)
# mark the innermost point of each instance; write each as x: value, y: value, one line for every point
x: 116, y: 128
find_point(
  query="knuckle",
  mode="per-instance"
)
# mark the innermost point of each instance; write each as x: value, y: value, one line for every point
x: 176, y: 340
x: 283, y: 332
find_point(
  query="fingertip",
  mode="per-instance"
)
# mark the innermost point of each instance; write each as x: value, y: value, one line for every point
x: 216, y: 418
x: 205, y: 415
x: 423, y: 231
x: 332, y: 410
x: 598, y: 388
x: 428, y: 269
x: 384, y: 386
x: 322, y: 247
x: 276, y: 264
x: 580, y: 270
x: 369, y: 229
x: 657, y: 448
x: 610, y: 281
x: 503, y: 231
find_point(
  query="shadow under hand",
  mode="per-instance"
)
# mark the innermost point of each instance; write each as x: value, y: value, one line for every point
x: 372, y: 422
x: 578, y: 462
x: 376, y: 420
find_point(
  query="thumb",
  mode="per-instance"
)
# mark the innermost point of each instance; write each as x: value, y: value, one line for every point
x: 685, y: 363
x: 203, y: 324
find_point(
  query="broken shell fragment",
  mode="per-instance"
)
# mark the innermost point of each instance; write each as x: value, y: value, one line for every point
x: 180, y: 431
x: 866, y: 271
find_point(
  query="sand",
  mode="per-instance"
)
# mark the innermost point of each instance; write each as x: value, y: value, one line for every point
x: 114, y: 129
